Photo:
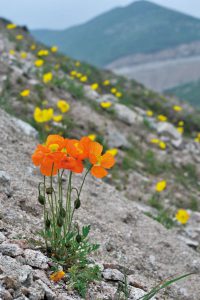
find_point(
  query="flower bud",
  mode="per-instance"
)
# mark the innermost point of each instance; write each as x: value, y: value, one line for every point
x: 77, y: 203
x: 78, y: 238
x: 47, y: 223
x: 49, y: 190
x: 62, y: 212
x: 60, y: 222
x: 41, y: 199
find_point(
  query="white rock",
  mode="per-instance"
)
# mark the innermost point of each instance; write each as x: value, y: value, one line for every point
x: 127, y: 115
x: 25, y: 127
x: 10, y: 249
x: 113, y: 274
x: 169, y: 129
x: 116, y: 139
x: 89, y: 93
x: 36, y: 259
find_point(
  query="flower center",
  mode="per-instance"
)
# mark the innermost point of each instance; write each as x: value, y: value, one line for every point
x: 53, y: 147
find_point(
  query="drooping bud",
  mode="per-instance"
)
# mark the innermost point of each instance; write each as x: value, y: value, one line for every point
x: 77, y: 203
x: 41, y: 199
x: 62, y: 212
x: 49, y: 190
x: 47, y: 223
x: 78, y: 238
x: 60, y: 221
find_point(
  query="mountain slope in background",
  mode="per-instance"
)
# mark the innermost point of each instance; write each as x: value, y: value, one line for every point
x: 142, y: 27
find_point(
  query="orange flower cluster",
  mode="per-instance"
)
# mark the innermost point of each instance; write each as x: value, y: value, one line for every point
x: 59, y: 153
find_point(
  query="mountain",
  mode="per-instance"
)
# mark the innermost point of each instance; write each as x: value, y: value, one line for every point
x: 188, y: 92
x: 139, y: 28
x: 152, y: 137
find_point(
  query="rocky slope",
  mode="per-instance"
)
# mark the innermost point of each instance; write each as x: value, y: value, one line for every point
x: 117, y: 208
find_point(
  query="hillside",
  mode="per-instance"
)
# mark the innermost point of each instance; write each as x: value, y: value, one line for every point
x: 155, y: 141
x: 141, y: 27
x: 189, y: 92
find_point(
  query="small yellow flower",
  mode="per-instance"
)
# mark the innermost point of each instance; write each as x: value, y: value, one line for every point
x: 162, y: 118
x: 39, y: 63
x: 182, y: 216
x: 25, y: 93
x: 181, y: 123
x: 47, y: 77
x: 161, y: 186
x: 113, y: 90
x: 162, y: 145
x: 12, y: 52
x: 106, y: 82
x: 113, y: 151
x: 54, y: 49
x: 57, y: 118
x: 106, y: 104
x: 43, y: 52
x: 63, y: 106
x: 11, y: 26
x: 118, y: 94
x: 33, y: 47
x: 177, y: 108
x: 149, y: 113
x: 23, y: 55
x: 180, y: 130
x: 44, y: 115
x: 57, y: 276
x: 94, y: 86
x: 77, y: 63
x: 155, y: 141
x: 79, y: 75
x: 92, y: 137
x: 19, y: 37
x: 73, y: 73
x: 83, y: 79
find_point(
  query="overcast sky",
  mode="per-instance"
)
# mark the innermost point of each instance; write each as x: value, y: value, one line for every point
x: 60, y: 14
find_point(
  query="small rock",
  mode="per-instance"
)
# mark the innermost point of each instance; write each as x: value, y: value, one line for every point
x: 116, y: 139
x: 169, y: 129
x: 2, y: 237
x: 136, y: 293
x: 127, y: 115
x: 36, y: 259
x: 25, y: 127
x: 12, y: 250
x: 50, y: 295
x: 113, y: 274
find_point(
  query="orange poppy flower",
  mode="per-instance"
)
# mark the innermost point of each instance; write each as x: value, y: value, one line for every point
x: 49, y: 156
x: 100, y: 162
x: 78, y: 149
x: 72, y: 164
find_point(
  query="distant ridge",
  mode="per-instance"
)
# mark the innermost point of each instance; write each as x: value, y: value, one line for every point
x: 141, y: 27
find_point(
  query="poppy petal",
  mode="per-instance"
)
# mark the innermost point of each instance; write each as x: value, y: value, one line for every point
x: 107, y: 161
x: 98, y: 172
x: 95, y: 152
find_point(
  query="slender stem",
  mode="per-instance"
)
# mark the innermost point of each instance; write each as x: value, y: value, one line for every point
x: 88, y: 170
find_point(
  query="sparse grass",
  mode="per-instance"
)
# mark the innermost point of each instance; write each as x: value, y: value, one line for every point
x: 164, y: 218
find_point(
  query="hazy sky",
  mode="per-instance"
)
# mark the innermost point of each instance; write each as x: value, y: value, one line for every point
x: 60, y: 14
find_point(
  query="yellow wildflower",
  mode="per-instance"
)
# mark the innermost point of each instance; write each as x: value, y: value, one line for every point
x: 47, y: 77
x: 57, y: 118
x: 182, y: 216
x: 180, y: 130
x: 54, y: 49
x: 57, y: 276
x: 162, y: 145
x: 92, y: 137
x: 39, y: 62
x: 181, y: 123
x: 11, y: 26
x: 118, y: 94
x: 63, y: 106
x: 149, y: 113
x: 23, y: 55
x: 162, y: 118
x: 94, y: 86
x: 19, y: 37
x: 106, y: 104
x: 155, y: 141
x: 106, y: 82
x: 25, y: 93
x: 12, y: 52
x: 79, y: 75
x: 44, y: 115
x: 177, y: 108
x: 77, y: 63
x: 113, y: 90
x: 43, y: 52
x: 33, y: 47
x: 73, y: 73
x: 161, y: 186
x: 83, y: 79
x: 113, y: 151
